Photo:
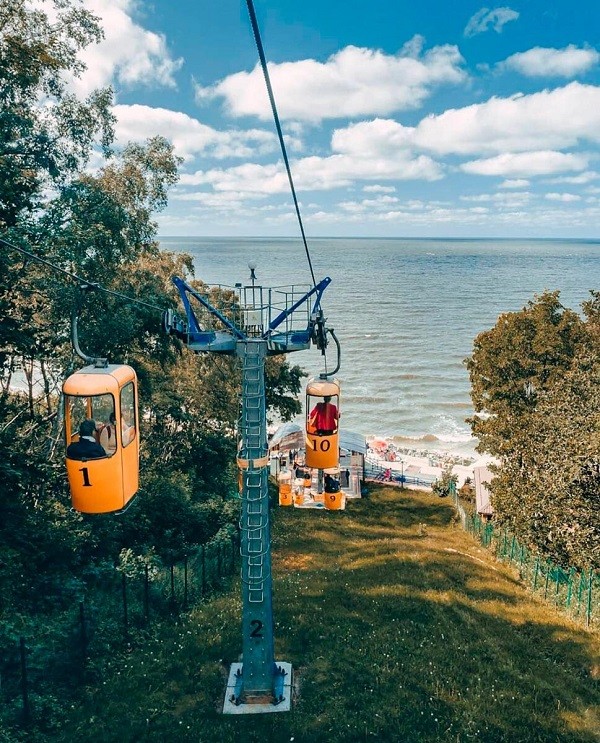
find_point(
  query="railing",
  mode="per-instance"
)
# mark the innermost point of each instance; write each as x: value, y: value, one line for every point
x: 377, y: 472
x: 49, y: 659
x: 573, y: 591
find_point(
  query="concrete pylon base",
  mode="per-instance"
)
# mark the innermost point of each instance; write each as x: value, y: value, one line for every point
x: 283, y: 691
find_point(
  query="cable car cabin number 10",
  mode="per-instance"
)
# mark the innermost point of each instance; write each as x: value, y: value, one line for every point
x: 102, y: 437
x: 322, y: 421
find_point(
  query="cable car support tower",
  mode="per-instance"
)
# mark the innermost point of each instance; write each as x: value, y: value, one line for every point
x: 259, y: 323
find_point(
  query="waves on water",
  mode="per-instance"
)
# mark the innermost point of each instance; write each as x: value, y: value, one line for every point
x: 406, y: 313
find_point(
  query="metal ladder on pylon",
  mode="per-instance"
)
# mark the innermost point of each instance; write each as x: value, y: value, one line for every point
x: 255, y: 516
x: 258, y: 675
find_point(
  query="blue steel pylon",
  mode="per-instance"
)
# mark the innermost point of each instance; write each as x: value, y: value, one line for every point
x: 260, y: 680
x: 259, y: 683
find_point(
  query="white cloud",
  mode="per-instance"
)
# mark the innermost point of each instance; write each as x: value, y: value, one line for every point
x: 485, y: 17
x: 581, y: 178
x: 316, y: 173
x: 128, y: 55
x: 526, y: 164
x: 353, y: 82
x: 547, y: 62
x: 375, y: 139
x: 564, y: 197
x: 381, y: 202
x: 509, y: 199
x: 514, y: 183
x: 188, y: 135
x: 379, y: 189
x: 551, y: 119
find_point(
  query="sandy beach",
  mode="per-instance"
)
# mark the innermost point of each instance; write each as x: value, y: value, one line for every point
x: 421, y: 462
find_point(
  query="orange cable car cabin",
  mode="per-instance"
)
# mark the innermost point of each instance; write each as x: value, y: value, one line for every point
x: 102, y: 466
x: 322, y: 423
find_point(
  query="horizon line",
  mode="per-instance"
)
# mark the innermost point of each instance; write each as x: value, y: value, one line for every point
x: 378, y: 237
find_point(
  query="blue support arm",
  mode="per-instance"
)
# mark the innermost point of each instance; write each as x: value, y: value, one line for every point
x: 318, y: 289
x: 194, y: 326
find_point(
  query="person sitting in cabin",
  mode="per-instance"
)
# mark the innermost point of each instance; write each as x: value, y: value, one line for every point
x: 323, y: 419
x: 332, y: 485
x: 108, y: 435
x: 86, y: 447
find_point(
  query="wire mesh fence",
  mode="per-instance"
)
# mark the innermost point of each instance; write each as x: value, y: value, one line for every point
x: 65, y: 651
x: 575, y: 592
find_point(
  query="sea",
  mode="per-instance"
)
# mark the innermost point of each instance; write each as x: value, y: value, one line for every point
x: 406, y: 313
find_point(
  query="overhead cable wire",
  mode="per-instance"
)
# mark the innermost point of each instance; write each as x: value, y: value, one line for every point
x: 263, y: 63
x: 75, y: 277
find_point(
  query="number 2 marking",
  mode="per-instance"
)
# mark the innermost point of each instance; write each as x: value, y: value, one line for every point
x: 258, y: 625
x: 86, y: 479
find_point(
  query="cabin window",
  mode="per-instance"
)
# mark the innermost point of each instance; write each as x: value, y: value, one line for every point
x: 128, y: 419
x: 97, y: 407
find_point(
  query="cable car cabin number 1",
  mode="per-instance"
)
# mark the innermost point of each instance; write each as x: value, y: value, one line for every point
x: 102, y: 437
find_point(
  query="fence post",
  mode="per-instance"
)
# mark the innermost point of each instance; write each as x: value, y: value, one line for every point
x: 125, y: 613
x: 185, y: 582
x: 535, y: 572
x: 512, y: 548
x: 547, y: 579
x: 588, y: 617
x: 570, y: 588
x: 146, y: 594
x: 83, y: 636
x: 580, y: 589
x: 24, y: 686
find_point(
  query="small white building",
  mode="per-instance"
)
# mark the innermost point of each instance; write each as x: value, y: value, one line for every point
x: 483, y: 477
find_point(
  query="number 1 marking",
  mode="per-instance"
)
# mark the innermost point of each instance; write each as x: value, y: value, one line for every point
x: 86, y: 479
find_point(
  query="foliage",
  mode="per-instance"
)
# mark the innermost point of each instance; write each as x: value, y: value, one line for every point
x: 446, y: 484
x: 535, y: 377
x: 42, y: 145
x: 523, y: 355
x: 549, y: 494
x: 99, y: 226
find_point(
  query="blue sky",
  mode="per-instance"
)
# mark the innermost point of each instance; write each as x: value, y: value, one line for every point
x: 420, y: 119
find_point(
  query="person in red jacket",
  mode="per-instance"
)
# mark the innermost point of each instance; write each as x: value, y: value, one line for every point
x: 323, y: 418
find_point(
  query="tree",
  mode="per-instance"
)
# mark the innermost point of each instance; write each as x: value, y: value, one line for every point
x: 42, y: 145
x: 523, y: 355
x: 99, y: 227
x: 549, y: 494
x: 535, y: 378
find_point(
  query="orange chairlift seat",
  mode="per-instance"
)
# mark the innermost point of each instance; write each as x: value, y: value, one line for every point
x: 322, y: 423
x: 103, y: 393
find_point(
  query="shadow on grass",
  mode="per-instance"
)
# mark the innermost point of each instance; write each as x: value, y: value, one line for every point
x: 390, y: 636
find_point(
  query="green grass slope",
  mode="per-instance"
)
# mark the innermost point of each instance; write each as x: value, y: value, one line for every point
x: 399, y: 626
